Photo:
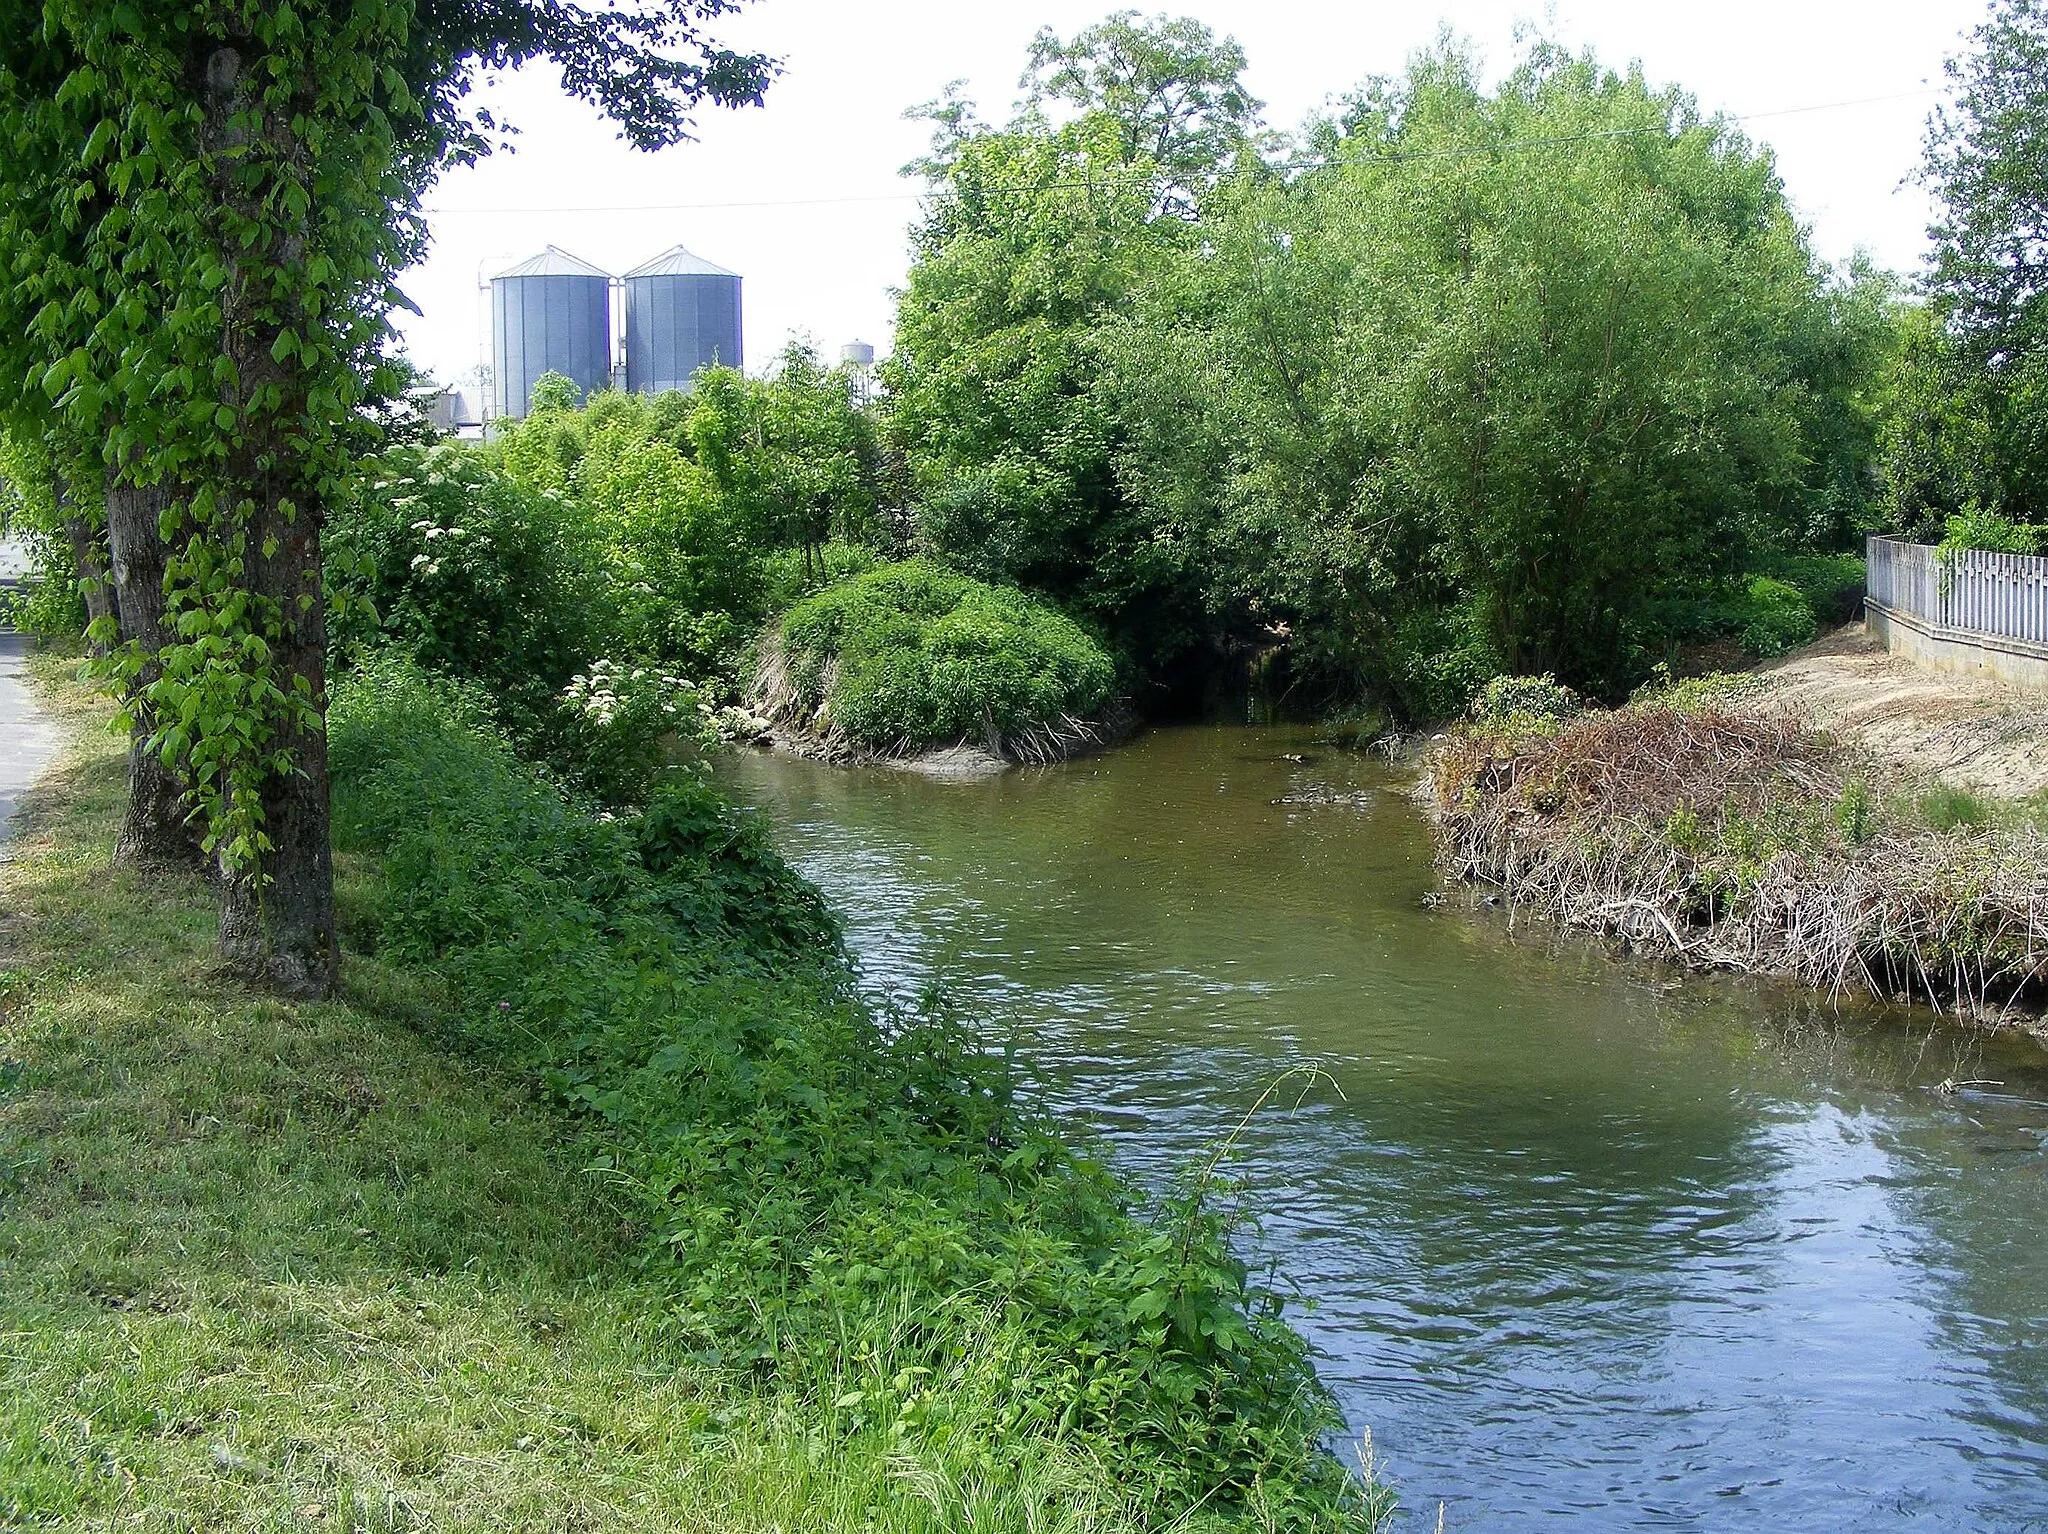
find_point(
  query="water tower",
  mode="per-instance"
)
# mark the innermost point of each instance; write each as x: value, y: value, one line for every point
x: 551, y: 313
x: 858, y: 359
x: 682, y: 314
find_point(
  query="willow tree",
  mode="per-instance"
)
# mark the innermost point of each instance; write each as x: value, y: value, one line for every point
x: 1034, y: 240
x: 1496, y: 380
x: 244, y: 183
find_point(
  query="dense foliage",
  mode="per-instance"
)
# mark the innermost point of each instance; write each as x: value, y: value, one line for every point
x: 830, y: 1195
x: 474, y: 575
x: 1541, y: 377
x: 1966, y: 439
x: 911, y: 655
x: 602, y: 568
x: 203, y: 207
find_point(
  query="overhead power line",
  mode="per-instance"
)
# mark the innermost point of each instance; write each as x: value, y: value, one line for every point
x: 1107, y: 178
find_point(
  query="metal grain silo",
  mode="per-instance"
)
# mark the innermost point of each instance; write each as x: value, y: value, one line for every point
x: 551, y: 313
x: 682, y: 314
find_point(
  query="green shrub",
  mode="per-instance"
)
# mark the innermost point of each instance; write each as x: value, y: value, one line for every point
x: 474, y: 576
x: 1521, y: 700
x: 1776, y: 617
x: 1833, y: 584
x: 1976, y: 527
x: 48, y: 602
x: 1443, y: 658
x: 1768, y: 613
x: 1855, y: 812
x: 853, y: 1207
x: 912, y: 655
x: 1947, y: 808
x: 683, y: 561
x: 624, y: 722
x: 788, y: 575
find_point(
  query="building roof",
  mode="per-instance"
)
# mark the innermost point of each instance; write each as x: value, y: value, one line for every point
x: 678, y: 262
x: 554, y: 262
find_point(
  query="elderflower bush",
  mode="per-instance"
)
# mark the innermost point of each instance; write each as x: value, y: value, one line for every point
x: 449, y: 561
x: 629, y: 721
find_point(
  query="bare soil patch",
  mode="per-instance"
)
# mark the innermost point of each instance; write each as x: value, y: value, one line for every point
x: 1914, y: 722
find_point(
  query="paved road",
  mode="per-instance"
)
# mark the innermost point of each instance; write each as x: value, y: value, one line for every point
x: 27, y: 738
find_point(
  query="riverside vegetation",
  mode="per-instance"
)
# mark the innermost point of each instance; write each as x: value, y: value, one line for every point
x: 597, y: 1193
x: 1457, y: 383
x: 912, y: 655
x: 1700, y: 823
x: 1458, y: 380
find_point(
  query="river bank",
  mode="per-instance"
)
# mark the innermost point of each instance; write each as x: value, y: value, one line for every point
x: 1584, y: 1242
x: 1716, y: 823
x: 597, y: 1199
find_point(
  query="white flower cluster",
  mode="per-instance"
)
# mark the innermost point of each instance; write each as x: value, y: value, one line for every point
x: 429, y: 564
x: 738, y: 724
x: 610, y: 688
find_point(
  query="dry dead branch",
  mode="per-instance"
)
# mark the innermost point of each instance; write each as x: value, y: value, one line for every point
x: 1736, y: 838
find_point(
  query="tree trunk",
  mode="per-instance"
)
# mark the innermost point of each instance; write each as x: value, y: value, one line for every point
x: 277, y: 923
x: 277, y: 920
x: 90, y: 561
x: 156, y: 829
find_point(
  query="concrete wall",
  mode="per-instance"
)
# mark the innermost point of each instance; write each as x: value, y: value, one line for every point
x: 2017, y: 661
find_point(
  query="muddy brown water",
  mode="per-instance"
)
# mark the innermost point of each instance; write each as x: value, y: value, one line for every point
x: 1585, y: 1243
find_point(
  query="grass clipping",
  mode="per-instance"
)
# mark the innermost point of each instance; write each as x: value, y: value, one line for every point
x: 1705, y: 826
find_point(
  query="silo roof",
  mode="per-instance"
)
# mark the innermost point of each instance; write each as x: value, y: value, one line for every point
x: 678, y: 262
x: 554, y: 262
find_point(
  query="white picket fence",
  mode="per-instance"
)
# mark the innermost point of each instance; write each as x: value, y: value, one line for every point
x: 2003, y: 596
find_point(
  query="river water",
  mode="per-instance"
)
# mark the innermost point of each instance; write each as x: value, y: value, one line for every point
x: 1585, y: 1243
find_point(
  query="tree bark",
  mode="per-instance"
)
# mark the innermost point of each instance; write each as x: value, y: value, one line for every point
x: 277, y: 922
x: 156, y: 829
x: 90, y: 561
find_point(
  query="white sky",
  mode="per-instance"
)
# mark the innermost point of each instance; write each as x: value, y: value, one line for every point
x: 802, y: 197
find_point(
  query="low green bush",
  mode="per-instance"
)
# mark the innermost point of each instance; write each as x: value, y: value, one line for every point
x: 47, y: 602
x: 447, y: 560
x: 1977, y: 528
x: 1767, y: 614
x: 854, y: 1207
x: 1947, y: 808
x: 913, y: 655
x: 1776, y: 617
x: 1524, y: 700
x: 1832, y: 584
x: 790, y: 575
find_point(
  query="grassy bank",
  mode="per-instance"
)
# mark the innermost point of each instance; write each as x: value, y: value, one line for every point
x: 595, y: 1201
x: 1701, y: 824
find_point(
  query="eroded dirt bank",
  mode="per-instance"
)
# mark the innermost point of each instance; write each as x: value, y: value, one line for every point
x: 1913, y: 721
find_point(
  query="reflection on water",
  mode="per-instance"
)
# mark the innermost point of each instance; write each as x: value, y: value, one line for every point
x: 1584, y: 1242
